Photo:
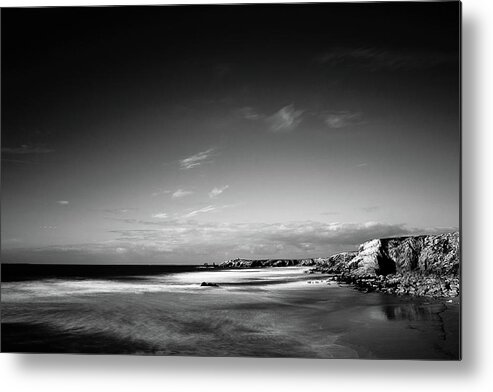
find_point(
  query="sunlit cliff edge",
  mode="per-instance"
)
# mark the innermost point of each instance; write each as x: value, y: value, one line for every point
x: 424, y: 265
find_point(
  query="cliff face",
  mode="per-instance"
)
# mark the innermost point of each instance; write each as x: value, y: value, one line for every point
x: 422, y: 265
x: 428, y: 254
x: 426, y: 265
x: 337, y: 262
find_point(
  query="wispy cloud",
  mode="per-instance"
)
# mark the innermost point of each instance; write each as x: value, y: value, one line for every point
x: 338, y: 120
x: 180, y: 193
x: 63, y: 202
x: 285, y: 119
x: 160, y: 192
x: 200, y: 211
x: 288, y: 118
x: 160, y: 215
x: 376, y: 59
x: 249, y: 113
x: 197, y: 159
x: 217, y: 191
x: 119, y: 211
x: 209, y: 208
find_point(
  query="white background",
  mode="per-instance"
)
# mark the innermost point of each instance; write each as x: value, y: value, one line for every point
x: 473, y: 373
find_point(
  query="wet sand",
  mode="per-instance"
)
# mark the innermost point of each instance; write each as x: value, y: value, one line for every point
x: 261, y: 313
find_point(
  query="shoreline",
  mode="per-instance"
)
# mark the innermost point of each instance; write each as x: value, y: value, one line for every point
x: 422, y: 266
x: 302, y: 320
x: 413, y: 284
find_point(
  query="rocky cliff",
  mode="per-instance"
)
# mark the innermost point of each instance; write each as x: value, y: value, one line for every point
x: 426, y: 265
x: 418, y: 265
x: 247, y: 263
x: 427, y: 254
x: 437, y: 254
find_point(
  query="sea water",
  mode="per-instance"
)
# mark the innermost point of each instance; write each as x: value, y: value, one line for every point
x: 270, y: 312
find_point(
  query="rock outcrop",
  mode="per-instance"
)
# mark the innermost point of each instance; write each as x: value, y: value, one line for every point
x: 335, y: 263
x: 431, y: 254
x: 246, y: 263
x: 209, y: 284
x: 426, y: 265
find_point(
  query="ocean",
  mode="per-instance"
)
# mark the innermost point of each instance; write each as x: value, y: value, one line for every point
x: 163, y: 310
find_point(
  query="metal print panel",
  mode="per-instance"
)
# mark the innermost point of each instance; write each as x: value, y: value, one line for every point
x: 240, y: 180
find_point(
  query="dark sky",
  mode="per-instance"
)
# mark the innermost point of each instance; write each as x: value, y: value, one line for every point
x: 189, y: 134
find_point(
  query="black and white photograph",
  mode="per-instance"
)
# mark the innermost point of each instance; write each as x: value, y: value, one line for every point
x: 236, y: 180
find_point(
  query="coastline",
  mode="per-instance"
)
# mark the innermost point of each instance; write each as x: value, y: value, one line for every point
x: 268, y: 312
x: 424, y: 266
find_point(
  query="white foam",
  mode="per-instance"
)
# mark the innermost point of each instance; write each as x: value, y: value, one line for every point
x: 237, y: 276
x: 271, y: 278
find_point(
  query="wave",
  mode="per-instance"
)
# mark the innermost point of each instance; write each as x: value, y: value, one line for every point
x: 262, y: 313
x: 272, y: 278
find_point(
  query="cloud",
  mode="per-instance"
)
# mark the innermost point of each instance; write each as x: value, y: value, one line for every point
x: 280, y: 235
x: 337, y: 120
x: 248, y: 113
x: 376, y: 59
x: 119, y: 211
x: 216, y: 241
x: 63, y: 202
x: 188, y: 240
x: 288, y: 118
x: 301, y: 234
x: 27, y: 149
x: 160, y: 192
x: 180, y: 193
x: 217, y: 191
x: 160, y: 215
x: 196, y: 159
x: 200, y: 211
x: 208, y: 208
x: 285, y: 119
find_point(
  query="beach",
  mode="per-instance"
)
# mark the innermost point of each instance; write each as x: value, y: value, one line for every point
x: 270, y: 312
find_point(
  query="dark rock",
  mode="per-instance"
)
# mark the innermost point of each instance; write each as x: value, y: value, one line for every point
x: 421, y: 265
x: 209, y: 284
